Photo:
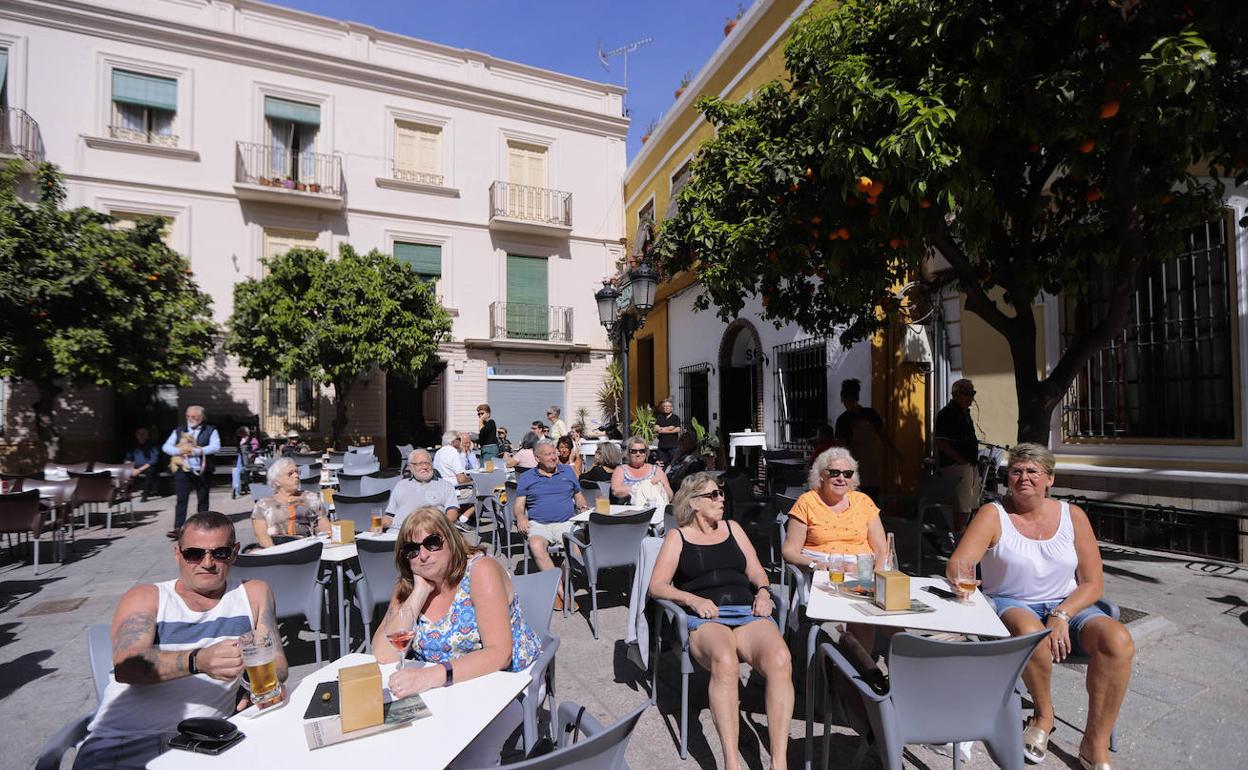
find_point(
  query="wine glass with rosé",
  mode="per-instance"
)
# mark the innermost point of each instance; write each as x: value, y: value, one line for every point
x: 404, y: 628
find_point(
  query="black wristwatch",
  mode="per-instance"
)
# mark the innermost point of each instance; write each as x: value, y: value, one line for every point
x: 762, y: 588
x: 450, y: 673
x: 190, y: 662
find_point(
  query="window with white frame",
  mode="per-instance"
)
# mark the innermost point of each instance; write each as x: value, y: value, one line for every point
x: 128, y: 220
x: 144, y: 108
x: 418, y: 153
x: 292, y: 128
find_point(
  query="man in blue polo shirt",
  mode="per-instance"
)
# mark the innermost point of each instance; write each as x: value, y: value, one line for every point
x: 547, y: 498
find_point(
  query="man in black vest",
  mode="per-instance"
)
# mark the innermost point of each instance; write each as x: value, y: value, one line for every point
x: 196, y: 468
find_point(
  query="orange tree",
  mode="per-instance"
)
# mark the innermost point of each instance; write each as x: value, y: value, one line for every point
x: 1036, y: 145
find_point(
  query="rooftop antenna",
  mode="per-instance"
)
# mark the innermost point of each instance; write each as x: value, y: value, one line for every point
x: 623, y: 51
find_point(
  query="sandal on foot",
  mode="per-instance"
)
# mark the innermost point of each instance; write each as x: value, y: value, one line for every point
x: 1087, y: 764
x: 1036, y: 744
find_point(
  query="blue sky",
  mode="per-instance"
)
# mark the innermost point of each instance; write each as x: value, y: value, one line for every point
x: 563, y: 35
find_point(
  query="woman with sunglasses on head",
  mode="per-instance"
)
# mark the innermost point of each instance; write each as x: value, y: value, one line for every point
x: 708, y: 565
x: 637, y: 471
x: 466, y: 619
x: 834, y: 519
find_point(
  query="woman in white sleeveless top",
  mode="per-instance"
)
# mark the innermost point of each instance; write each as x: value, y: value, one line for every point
x: 1041, y: 567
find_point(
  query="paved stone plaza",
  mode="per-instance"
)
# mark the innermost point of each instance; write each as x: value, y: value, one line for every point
x: 1185, y: 708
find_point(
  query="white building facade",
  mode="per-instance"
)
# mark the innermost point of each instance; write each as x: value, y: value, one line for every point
x: 254, y: 129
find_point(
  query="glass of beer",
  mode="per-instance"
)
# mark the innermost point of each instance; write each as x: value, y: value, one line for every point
x: 836, y: 568
x: 259, y: 649
x: 489, y: 466
x: 964, y: 580
x: 376, y: 523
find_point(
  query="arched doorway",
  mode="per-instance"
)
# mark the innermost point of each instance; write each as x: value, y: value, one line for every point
x: 740, y: 379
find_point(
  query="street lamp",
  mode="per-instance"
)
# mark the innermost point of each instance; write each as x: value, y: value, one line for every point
x: 622, y: 322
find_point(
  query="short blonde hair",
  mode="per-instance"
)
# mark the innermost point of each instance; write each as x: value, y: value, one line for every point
x: 1032, y: 452
x: 826, y: 458
x: 682, y: 504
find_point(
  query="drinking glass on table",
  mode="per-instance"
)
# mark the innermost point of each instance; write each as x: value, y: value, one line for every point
x: 376, y: 522
x: 405, y: 625
x: 259, y: 650
x: 964, y: 580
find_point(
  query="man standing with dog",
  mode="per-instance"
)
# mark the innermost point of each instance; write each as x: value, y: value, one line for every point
x: 194, y: 471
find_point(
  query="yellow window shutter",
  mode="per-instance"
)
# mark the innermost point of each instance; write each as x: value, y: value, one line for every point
x: 405, y: 147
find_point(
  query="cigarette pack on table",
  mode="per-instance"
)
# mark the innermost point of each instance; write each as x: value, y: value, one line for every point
x: 343, y: 532
x: 359, y: 693
x: 892, y: 589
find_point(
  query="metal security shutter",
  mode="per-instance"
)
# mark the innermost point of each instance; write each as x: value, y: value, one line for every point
x: 516, y: 403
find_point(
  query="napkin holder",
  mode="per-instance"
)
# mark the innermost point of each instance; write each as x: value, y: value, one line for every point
x: 489, y: 466
x: 602, y: 505
x: 359, y: 694
x: 892, y: 590
x: 342, y: 532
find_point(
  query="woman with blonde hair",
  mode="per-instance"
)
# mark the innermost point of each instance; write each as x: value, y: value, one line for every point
x: 465, y: 618
x: 709, y: 565
x: 289, y: 513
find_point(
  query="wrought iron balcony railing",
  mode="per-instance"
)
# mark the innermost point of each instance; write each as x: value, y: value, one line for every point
x: 318, y: 173
x: 530, y: 204
x: 19, y: 135
x: 518, y: 321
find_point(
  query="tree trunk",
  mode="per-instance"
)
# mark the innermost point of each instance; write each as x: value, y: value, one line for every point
x: 341, y: 391
x: 45, y: 425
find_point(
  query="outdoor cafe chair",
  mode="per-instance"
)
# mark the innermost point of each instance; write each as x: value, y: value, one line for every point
x: 260, y: 491
x: 938, y: 692
x: 61, y: 495
x: 350, y: 484
x: 365, y: 449
x: 371, y: 485
x: 606, y: 542
x: 536, y: 594
x: 781, y: 504
x: 96, y: 489
x: 404, y: 451
x: 54, y: 468
x: 20, y: 515
x: 306, y: 458
x: 359, y: 464
x: 665, y: 609
x: 310, y: 478
x: 483, y: 486
x: 295, y: 579
x: 598, y: 747
x: 359, y: 509
x: 335, y: 456
x: 100, y: 653
x: 375, y: 582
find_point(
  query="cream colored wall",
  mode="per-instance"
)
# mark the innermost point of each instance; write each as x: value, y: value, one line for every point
x: 986, y: 360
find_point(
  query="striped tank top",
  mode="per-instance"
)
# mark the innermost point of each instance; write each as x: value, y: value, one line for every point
x: 153, y: 709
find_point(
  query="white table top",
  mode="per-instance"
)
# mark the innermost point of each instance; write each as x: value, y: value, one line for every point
x: 332, y: 552
x: 619, y: 510
x: 977, y: 618
x: 276, y: 738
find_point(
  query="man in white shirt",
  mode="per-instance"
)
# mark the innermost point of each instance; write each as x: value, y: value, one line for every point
x: 448, y: 461
x: 420, y: 490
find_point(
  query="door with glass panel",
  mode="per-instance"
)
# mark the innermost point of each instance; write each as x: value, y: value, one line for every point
x: 292, y: 129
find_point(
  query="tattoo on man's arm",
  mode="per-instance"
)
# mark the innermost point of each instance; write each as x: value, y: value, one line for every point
x: 132, y: 631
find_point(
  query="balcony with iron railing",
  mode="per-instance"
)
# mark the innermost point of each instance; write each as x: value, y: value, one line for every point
x: 267, y: 173
x: 20, y: 137
x: 536, y: 323
x: 528, y: 209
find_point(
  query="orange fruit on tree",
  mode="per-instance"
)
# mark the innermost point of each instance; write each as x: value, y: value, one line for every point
x: 1092, y: 195
x: 926, y: 203
x: 793, y: 188
x: 153, y: 277
x: 843, y: 233
x: 894, y: 242
x: 864, y: 184
x: 810, y: 173
x: 872, y: 199
x: 816, y: 219
x: 1087, y: 146
x: 1108, y: 109
x: 835, y: 234
x: 875, y: 189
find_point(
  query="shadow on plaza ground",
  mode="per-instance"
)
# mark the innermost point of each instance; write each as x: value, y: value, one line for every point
x: 22, y: 670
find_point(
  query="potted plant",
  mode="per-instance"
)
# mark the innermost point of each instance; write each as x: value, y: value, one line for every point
x: 684, y: 83
x: 732, y: 22
x: 288, y: 184
x: 708, y: 443
x: 314, y: 187
x: 649, y: 130
x: 301, y: 186
x: 643, y: 424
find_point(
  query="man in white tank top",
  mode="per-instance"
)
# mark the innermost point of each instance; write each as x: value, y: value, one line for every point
x: 175, y: 649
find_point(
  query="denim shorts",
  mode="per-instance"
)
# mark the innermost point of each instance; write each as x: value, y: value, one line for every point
x: 1042, y: 610
x: 731, y: 615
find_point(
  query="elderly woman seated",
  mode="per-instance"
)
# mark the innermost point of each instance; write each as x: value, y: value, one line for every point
x: 288, y: 513
x: 708, y: 565
x: 463, y: 616
x: 834, y: 523
x: 1041, y: 568
x: 639, y: 481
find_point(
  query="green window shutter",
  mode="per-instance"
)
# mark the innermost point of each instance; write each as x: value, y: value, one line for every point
x: 296, y: 112
x: 528, y: 316
x: 4, y: 67
x: 424, y: 258
x: 145, y: 90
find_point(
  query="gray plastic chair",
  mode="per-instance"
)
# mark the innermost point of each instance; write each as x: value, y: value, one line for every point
x: 334, y: 456
x: 296, y: 582
x: 359, y: 465
x: 611, y: 541
x: 938, y: 692
x: 360, y: 509
x: 536, y: 594
x: 365, y: 449
x: 483, y: 486
x: 350, y: 484
x: 404, y: 451
x: 590, y: 491
x: 375, y: 581
x: 306, y: 458
x: 372, y: 485
x: 781, y: 504
x: 599, y: 748
x: 678, y: 620
x: 260, y: 491
x: 100, y: 653
x: 310, y: 478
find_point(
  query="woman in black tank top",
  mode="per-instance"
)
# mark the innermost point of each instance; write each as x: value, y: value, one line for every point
x: 709, y: 566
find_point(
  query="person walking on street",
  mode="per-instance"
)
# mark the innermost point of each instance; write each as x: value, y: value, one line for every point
x: 195, y: 470
x: 958, y: 449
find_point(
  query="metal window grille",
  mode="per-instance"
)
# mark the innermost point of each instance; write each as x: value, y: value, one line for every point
x: 801, y: 392
x: 1170, y: 372
x: 695, y: 395
x: 290, y: 406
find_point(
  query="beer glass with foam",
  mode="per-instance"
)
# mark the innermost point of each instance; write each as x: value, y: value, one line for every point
x: 259, y: 649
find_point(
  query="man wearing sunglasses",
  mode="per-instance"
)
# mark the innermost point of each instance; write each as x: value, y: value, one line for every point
x: 175, y: 649
x: 547, y: 498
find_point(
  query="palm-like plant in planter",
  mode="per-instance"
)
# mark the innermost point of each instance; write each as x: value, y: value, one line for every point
x: 708, y: 443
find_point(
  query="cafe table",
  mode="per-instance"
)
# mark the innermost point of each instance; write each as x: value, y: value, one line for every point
x: 275, y: 737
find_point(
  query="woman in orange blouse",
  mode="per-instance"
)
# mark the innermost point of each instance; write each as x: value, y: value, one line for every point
x: 835, y: 518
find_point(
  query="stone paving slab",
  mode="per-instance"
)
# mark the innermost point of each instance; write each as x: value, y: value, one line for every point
x: 1185, y: 707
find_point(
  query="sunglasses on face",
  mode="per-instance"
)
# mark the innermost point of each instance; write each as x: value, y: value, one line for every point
x: 714, y: 494
x: 836, y: 473
x: 433, y: 543
x: 638, y: 451
x: 196, y: 555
